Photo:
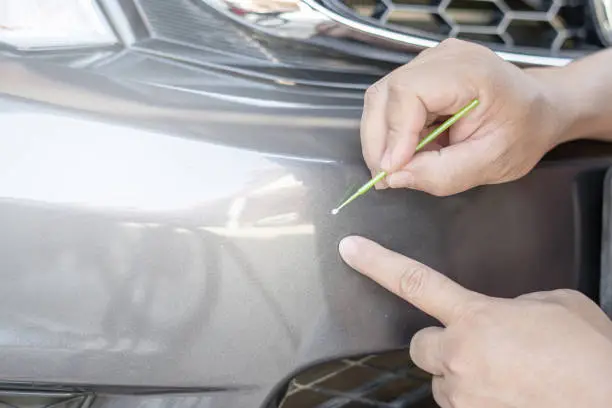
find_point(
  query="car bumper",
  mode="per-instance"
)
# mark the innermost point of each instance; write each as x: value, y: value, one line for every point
x: 160, y: 242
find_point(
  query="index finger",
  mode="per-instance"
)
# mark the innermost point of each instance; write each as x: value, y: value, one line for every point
x: 428, y: 290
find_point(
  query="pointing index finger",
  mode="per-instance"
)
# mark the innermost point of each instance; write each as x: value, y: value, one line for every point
x: 428, y: 290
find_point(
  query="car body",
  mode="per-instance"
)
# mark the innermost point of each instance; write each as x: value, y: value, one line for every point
x: 166, y: 232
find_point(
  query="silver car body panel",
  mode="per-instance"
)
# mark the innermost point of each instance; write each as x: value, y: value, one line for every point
x: 152, y: 237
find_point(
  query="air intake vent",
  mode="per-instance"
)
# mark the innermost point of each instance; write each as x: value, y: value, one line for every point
x: 541, y: 27
x: 34, y: 399
x: 387, y: 380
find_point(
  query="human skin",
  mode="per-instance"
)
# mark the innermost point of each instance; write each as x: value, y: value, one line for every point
x: 522, y: 115
x: 540, y: 350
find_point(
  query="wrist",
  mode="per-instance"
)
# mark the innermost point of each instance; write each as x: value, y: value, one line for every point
x: 568, y: 113
x: 581, y: 95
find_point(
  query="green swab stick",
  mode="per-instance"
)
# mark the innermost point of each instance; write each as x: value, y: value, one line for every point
x: 430, y: 137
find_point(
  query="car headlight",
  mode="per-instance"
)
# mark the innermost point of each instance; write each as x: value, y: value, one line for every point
x: 50, y: 24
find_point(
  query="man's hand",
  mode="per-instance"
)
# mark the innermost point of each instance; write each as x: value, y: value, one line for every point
x: 542, y: 350
x: 522, y: 114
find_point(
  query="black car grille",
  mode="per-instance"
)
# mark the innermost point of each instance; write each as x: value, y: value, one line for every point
x: 34, y: 399
x: 547, y: 27
x: 387, y: 380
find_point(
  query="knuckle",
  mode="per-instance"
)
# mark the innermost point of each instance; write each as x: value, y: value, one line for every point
x: 424, y: 53
x: 454, y: 363
x: 438, y: 392
x: 456, y: 353
x: 456, y: 399
x: 480, y: 315
x: 555, y: 308
x: 458, y: 359
x: 550, y: 303
x: 393, y: 128
x: 402, y: 86
x: 372, y: 91
x: 452, y: 42
x: 567, y: 298
x: 465, y: 338
x: 396, y: 90
x: 439, y: 189
x: 436, y: 386
x: 476, y: 316
x: 433, y: 178
x: 469, y: 51
x: 412, y: 281
x: 534, y: 296
x: 567, y: 293
x: 397, y: 97
x: 442, y: 185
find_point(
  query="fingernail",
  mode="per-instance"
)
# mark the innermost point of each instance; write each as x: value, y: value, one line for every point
x: 401, y: 179
x: 348, y: 248
x: 381, y: 185
x: 377, y: 186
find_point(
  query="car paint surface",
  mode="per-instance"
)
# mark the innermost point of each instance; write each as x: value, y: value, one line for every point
x: 151, y: 237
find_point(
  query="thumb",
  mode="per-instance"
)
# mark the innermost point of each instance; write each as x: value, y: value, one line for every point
x: 428, y: 290
x: 448, y: 171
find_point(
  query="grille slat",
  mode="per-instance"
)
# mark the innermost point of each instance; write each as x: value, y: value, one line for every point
x: 388, y: 380
x: 542, y: 27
